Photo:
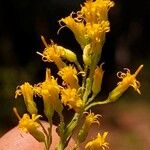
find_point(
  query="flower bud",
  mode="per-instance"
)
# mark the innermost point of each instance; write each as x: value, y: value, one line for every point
x: 97, y: 79
x: 67, y: 54
x: 87, y: 55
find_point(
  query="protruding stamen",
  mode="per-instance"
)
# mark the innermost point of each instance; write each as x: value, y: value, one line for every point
x: 16, y: 113
x: 48, y: 74
x: 138, y: 70
x: 44, y: 41
x: 39, y: 54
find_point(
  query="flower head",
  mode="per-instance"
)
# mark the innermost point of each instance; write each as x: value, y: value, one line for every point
x: 96, y: 11
x: 97, y: 31
x: 98, y: 143
x: 27, y: 91
x: 31, y: 125
x: 90, y: 119
x: 28, y: 124
x: 49, y: 90
x: 50, y: 85
x: 77, y: 27
x: 71, y: 98
x: 69, y: 75
x: 52, y: 53
x: 128, y: 79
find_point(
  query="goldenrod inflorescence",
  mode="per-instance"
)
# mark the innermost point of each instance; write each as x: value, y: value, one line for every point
x: 79, y: 83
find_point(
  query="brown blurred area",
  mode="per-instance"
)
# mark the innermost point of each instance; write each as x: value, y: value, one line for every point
x: 127, y: 46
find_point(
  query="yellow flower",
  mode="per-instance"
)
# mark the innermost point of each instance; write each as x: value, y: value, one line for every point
x: 96, y: 32
x: 98, y: 143
x: 96, y: 11
x: 90, y: 119
x: 49, y: 90
x: 31, y: 125
x: 27, y: 124
x: 52, y: 54
x: 77, y: 27
x: 27, y: 91
x: 127, y: 80
x: 69, y: 75
x: 91, y: 23
x: 96, y: 35
x: 97, y: 79
x: 71, y: 98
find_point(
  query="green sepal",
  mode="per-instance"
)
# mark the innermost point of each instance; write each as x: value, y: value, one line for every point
x: 38, y: 135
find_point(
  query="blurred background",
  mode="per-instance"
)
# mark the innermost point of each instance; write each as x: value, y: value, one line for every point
x: 127, y: 46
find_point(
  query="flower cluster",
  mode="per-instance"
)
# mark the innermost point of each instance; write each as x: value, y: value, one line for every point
x: 89, y: 26
x: 76, y: 85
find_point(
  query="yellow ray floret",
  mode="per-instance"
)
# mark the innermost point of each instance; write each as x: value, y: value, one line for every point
x: 77, y: 27
x: 49, y: 90
x: 71, y: 98
x: 96, y: 11
x: 27, y: 91
x: 91, y: 118
x: 31, y: 125
x: 69, y: 75
x: 91, y: 23
x: 98, y: 143
x: 128, y: 79
x: 50, y: 85
x: 28, y: 124
x: 52, y: 53
x: 97, y: 31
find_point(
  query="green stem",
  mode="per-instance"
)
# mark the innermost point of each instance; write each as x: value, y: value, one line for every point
x: 61, y: 145
x: 89, y: 80
x: 84, y: 79
x: 49, y: 138
x: 46, y: 143
x: 68, y: 131
x: 87, y: 89
x: 46, y: 147
x: 72, y: 125
x: 97, y: 103
x: 78, y: 66
x: 91, y: 98
x: 44, y: 130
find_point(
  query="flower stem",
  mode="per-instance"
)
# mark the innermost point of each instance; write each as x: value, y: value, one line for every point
x: 97, y: 103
